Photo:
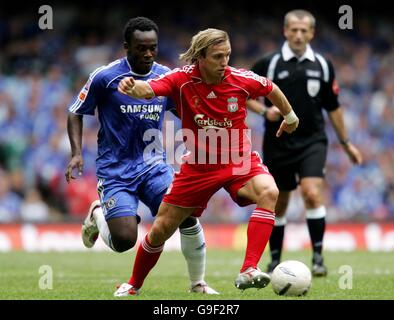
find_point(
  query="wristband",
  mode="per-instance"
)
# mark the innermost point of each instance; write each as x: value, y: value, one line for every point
x: 291, y: 117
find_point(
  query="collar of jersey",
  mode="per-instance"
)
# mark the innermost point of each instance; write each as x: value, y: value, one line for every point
x: 196, y: 75
x: 287, y: 53
x: 138, y: 74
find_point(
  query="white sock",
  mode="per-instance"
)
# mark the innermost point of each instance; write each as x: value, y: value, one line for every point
x: 194, y: 251
x: 316, y: 213
x: 103, y: 227
x: 280, y: 221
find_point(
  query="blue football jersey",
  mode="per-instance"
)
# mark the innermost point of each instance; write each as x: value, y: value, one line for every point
x: 123, y: 152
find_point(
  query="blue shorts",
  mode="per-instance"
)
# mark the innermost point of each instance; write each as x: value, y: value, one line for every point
x: 120, y: 198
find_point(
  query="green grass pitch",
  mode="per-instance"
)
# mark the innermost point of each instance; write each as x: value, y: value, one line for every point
x: 93, y: 275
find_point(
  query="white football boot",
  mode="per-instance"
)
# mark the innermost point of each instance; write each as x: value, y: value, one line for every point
x: 252, y: 278
x: 202, y: 287
x: 90, y: 231
x: 125, y: 290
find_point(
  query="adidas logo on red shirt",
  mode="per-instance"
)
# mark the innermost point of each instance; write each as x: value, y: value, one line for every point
x: 211, y: 95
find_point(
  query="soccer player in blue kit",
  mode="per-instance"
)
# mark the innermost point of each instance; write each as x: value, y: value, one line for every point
x: 126, y: 174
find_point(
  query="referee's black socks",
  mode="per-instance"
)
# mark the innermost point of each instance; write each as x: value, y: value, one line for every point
x: 276, y: 239
x: 316, y: 220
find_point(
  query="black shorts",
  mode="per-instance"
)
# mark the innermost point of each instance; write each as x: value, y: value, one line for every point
x: 310, y: 164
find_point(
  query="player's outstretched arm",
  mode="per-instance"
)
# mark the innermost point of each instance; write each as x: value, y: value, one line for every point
x: 290, y: 122
x: 74, y: 130
x: 135, y: 88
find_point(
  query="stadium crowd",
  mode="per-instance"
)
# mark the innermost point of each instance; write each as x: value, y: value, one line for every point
x: 41, y: 71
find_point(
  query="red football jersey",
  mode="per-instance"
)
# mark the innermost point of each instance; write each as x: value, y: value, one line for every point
x: 213, y: 115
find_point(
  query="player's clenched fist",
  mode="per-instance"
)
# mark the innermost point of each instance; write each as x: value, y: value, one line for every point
x: 126, y: 86
x: 135, y: 88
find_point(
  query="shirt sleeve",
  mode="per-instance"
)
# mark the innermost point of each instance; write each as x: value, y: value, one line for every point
x: 331, y: 92
x: 261, y: 68
x: 165, y: 85
x: 259, y: 86
x: 88, y: 97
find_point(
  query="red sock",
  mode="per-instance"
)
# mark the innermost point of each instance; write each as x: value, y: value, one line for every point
x: 259, y: 231
x: 145, y: 260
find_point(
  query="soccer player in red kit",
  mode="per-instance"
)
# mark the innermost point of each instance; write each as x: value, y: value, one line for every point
x: 211, y: 100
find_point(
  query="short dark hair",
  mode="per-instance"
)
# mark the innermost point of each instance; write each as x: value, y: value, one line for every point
x: 300, y: 14
x: 139, y: 23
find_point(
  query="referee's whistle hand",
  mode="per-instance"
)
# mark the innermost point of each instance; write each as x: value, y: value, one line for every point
x: 126, y: 86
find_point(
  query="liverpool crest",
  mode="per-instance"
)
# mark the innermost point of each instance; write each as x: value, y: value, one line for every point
x: 232, y: 104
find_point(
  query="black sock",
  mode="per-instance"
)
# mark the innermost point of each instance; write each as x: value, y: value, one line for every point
x: 316, y: 229
x: 276, y: 242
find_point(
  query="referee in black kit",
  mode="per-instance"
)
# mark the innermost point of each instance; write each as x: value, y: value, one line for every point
x: 308, y: 81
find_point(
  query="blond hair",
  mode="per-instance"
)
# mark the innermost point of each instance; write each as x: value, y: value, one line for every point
x: 201, y: 41
x: 300, y: 14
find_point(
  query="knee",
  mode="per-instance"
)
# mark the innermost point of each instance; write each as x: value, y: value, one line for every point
x: 312, y: 197
x: 124, y: 241
x: 269, y: 194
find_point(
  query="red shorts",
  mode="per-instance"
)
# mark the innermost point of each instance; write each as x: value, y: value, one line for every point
x: 195, y: 184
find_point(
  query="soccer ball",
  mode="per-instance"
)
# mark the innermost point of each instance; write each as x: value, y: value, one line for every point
x: 291, y: 278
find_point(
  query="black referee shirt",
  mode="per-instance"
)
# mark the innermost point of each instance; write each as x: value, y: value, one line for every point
x: 309, y: 85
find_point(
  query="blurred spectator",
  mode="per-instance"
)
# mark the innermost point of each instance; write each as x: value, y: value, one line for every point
x: 33, y: 208
x: 92, y: 54
x: 79, y: 195
x: 10, y: 202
